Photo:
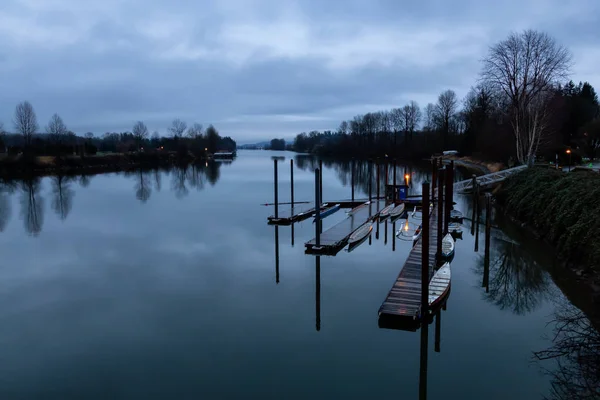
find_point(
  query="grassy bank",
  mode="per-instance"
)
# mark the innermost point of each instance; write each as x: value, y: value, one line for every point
x: 564, y: 210
x: 15, y: 166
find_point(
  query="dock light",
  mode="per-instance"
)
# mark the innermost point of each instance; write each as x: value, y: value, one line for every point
x: 569, y: 153
x: 406, y: 226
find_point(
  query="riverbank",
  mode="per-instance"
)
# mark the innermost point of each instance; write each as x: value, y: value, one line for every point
x: 562, y: 209
x: 17, y: 166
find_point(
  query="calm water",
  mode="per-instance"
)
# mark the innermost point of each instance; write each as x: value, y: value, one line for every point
x: 166, y: 285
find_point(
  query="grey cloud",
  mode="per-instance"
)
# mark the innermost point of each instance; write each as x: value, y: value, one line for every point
x: 259, y: 68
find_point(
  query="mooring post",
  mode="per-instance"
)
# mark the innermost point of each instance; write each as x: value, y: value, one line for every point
x: 425, y: 254
x: 321, y: 181
x: 352, y: 178
x: 393, y: 236
x: 318, y: 293
x: 377, y: 177
x: 292, y: 235
x: 387, y: 172
x: 394, y: 191
x: 317, y: 208
x: 474, y: 200
x: 276, y: 254
x: 424, y: 347
x: 488, y: 229
x: 434, y: 169
x: 292, y: 183
x: 275, y: 189
x: 440, y: 216
x: 448, y: 197
x: 478, y: 214
x: 370, y: 166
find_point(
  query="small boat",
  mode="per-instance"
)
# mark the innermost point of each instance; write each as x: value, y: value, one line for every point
x: 358, y: 208
x: 397, y: 211
x: 417, y: 234
x: 447, y: 246
x: 439, y: 286
x: 327, y: 210
x: 385, y: 213
x: 414, y: 212
x: 456, y: 216
x: 362, y: 232
x: 403, y: 229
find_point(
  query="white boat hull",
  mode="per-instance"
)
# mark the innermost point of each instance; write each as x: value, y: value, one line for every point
x: 439, y: 284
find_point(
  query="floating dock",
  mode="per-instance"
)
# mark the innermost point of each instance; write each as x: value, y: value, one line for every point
x: 335, y: 238
x: 403, y: 303
x: 287, y: 214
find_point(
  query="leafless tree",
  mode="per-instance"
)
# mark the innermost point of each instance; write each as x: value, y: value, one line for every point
x: 32, y: 206
x: 25, y: 121
x: 177, y: 128
x: 195, y: 131
x: 89, y: 135
x: 412, y: 117
x: 140, y: 132
x: 429, y: 113
x: 524, y: 69
x: 56, y: 128
x: 343, y: 129
x: 444, y: 112
x: 397, y: 119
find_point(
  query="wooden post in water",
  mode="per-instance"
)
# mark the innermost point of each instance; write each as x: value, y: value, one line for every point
x: 474, y: 200
x: 377, y: 178
x: 448, y: 197
x: 318, y: 293
x: 276, y: 254
x: 424, y: 294
x: 387, y: 171
x: 394, y: 191
x: 385, y: 232
x: 434, y: 169
x: 370, y: 179
x: 321, y: 181
x: 292, y: 235
x: 440, y: 216
x: 352, y: 178
x: 292, y: 182
x: 478, y: 214
x: 425, y: 254
x: 317, y: 208
x: 488, y: 229
x: 276, y: 189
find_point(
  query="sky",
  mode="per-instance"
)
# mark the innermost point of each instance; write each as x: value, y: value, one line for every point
x: 259, y: 69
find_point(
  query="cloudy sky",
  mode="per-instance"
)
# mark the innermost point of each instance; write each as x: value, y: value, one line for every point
x: 259, y: 69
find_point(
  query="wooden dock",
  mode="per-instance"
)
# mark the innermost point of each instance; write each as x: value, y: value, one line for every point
x: 287, y: 214
x: 403, y: 302
x: 335, y: 238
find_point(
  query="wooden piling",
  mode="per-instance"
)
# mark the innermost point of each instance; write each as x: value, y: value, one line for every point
x: 292, y: 235
x: 321, y: 181
x: 440, y: 210
x: 474, y: 201
x: 317, y: 208
x: 370, y: 167
x: 424, y: 349
x: 488, y: 229
x: 292, y: 181
x: 425, y: 253
x: 393, y: 236
x: 352, y: 178
x: 434, y: 169
x: 394, y: 191
x: 478, y: 214
x: 378, y: 166
x: 438, y: 331
x: 448, y: 196
x: 276, y: 201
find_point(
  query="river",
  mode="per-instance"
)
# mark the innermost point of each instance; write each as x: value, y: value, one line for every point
x: 166, y: 284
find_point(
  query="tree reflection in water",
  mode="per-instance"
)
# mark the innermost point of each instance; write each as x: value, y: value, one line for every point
x: 32, y: 206
x: 62, y: 196
x: 575, y: 351
x: 516, y: 281
x: 5, y: 205
x: 143, y: 187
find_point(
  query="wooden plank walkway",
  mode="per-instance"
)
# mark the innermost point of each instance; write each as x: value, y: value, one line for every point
x: 404, y: 299
x: 335, y: 238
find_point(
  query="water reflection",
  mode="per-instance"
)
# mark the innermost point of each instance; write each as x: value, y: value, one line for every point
x: 62, y: 196
x: 575, y: 351
x: 32, y: 206
x: 183, y: 178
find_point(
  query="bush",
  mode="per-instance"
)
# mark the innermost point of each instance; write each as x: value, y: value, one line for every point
x: 563, y: 207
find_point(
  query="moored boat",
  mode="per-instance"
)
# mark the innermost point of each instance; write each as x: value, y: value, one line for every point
x: 327, y: 210
x: 385, y: 213
x: 358, y: 208
x: 359, y: 235
x: 439, y: 286
x: 397, y: 211
x: 447, y: 246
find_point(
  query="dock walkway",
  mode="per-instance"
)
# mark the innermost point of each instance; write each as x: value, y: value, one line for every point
x: 404, y: 299
x: 335, y: 238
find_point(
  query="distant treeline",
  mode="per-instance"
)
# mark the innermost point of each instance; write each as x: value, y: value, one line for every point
x: 57, y: 140
x: 518, y: 110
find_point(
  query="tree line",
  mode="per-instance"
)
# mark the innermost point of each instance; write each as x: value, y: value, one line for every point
x: 520, y: 108
x: 57, y: 140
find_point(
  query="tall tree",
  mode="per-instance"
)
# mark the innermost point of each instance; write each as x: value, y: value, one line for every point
x: 444, y: 112
x: 25, y: 121
x: 194, y: 131
x: 177, y: 128
x: 412, y: 117
x: 56, y: 129
x: 140, y: 132
x: 212, y: 138
x: 429, y: 112
x: 525, y: 68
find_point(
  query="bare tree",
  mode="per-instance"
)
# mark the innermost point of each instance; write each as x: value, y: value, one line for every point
x: 56, y: 128
x: 177, y: 128
x: 89, y: 135
x: 524, y: 69
x: 429, y: 113
x: 412, y: 117
x: 444, y: 112
x: 343, y: 128
x: 25, y: 121
x: 194, y: 131
x: 397, y: 118
x: 140, y: 132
